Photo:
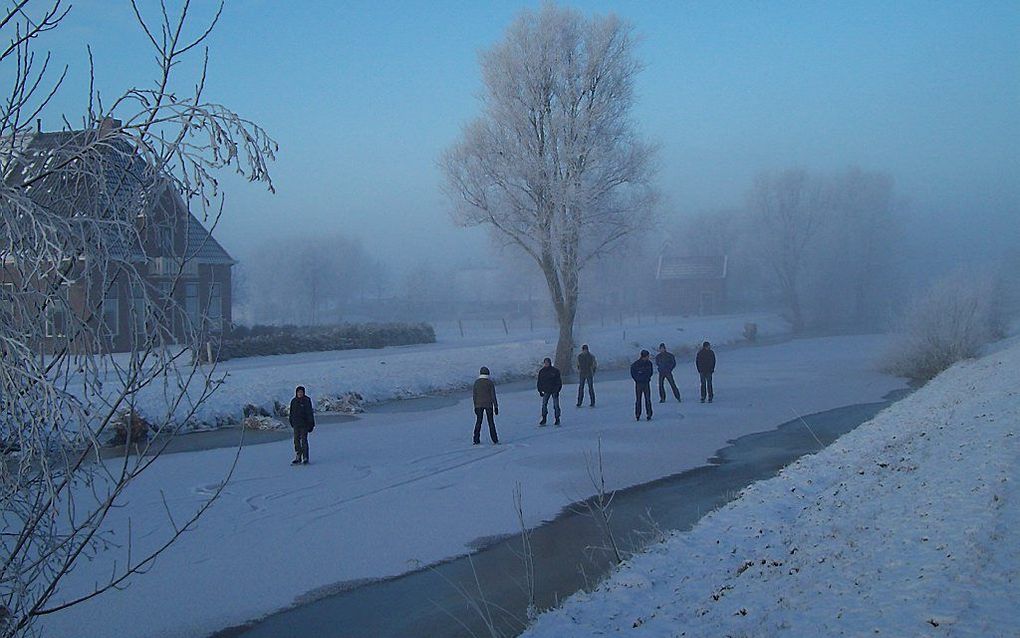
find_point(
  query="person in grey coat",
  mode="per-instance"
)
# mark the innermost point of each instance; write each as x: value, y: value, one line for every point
x: 484, y: 396
x: 302, y: 420
x: 586, y: 367
x: 665, y: 362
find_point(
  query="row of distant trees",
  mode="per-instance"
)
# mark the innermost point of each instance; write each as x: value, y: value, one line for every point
x: 825, y: 247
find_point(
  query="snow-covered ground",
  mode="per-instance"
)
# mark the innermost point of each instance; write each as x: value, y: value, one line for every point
x: 448, y: 365
x: 907, y: 526
x: 392, y: 491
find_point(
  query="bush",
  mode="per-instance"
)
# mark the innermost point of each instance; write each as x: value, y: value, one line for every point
x: 129, y: 422
x: 346, y: 403
x: 948, y: 323
x: 260, y: 422
x: 260, y: 341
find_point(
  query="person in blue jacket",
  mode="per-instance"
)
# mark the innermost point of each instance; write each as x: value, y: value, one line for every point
x: 665, y: 362
x: 641, y: 372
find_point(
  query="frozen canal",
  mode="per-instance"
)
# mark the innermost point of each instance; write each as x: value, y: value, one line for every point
x: 400, y: 489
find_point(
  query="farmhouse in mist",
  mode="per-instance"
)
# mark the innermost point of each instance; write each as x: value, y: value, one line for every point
x: 186, y: 272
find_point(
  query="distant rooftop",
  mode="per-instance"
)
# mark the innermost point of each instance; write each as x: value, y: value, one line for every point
x: 674, y: 267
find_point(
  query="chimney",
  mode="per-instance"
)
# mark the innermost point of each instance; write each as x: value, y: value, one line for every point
x: 108, y: 125
x: 38, y: 125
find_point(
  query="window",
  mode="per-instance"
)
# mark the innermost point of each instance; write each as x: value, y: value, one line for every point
x: 7, y: 302
x: 215, y: 310
x: 56, y: 312
x: 191, y: 304
x: 139, y: 309
x: 111, y: 309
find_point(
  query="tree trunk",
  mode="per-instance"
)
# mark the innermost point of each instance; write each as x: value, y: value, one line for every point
x: 796, y: 316
x: 565, y: 343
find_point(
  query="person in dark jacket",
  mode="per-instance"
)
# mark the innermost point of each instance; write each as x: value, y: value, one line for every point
x: 586, y: 367
x: 549, y: 385
x: 641, y: 372
x: 302, y: 419
x: 705, y: 362
x: 665, y: 362
x: 484, y: 395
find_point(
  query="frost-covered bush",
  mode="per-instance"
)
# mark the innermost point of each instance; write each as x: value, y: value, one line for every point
x: 346, y: 403
x: 129, y: 423
x: 269, y: 340
x: 950, y: 322
x: 260, y: 422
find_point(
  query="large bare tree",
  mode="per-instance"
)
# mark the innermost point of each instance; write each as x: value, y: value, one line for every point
x: 554, y: 165
x: 84, y: 213
x: 790, y: 210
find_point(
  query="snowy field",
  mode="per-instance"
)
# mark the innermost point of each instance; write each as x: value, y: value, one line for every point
x: 907, y: 526
x: 390, y: 492
x: 450, y: 364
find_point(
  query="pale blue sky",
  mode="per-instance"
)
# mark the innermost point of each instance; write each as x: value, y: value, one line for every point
x: 364, y: 96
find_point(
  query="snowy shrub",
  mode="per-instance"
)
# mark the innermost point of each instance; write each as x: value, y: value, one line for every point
x: 250, y: 410
x: 751, y: 332
x: 347, y: 403
x: 131, y: 422
x: 950, y: 322
x: 269, y: 340
x: 280, y: 409
x: 260, y: 422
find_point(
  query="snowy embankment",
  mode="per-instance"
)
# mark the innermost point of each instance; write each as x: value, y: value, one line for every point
x: 449, y: 365
x: 907, y: 526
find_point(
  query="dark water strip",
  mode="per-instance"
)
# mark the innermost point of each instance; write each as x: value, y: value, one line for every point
x: 446, y: 600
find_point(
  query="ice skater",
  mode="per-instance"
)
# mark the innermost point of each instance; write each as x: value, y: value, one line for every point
x: 665, y: 362
x: 549, y: 385
x: 641, y: 372
x: 484, y: 394
x: 586, y: 367
x: 705, y: 362
x: 302, y: 420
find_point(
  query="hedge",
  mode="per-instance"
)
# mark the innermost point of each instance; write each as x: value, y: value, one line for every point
x: 259, y: 341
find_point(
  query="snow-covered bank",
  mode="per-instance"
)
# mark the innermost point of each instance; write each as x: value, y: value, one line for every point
x: 451, y: 364
x: 907, y: 526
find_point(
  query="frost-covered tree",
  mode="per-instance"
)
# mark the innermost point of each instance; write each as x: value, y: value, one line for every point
x: 789, y: 210
x: 862, y: 245
x: 312, y: 285
x: 83, y: 217
x: 553, y: 165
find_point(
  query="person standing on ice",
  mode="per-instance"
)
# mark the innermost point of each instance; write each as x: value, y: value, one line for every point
x: 484, y: 395
x: 641, y: 372
x: 586, y: 367
x: 549, y: 385
x: 302, y: 419
x: 705, y: 362
x: 665, y: 362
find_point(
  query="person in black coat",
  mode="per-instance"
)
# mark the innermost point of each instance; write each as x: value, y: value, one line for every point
x: 705, y: 362
x: 586, y: 367
x: 665, y: 362
x: 641, y: 372
x: 302, y: 419
x: 549, y: 385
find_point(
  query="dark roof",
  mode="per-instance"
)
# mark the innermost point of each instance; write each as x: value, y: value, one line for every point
x: 128, y: 185
x: 674, y: 267
x: 202, y: 246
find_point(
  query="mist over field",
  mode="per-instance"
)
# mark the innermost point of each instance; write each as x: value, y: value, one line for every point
x: 918, y: 101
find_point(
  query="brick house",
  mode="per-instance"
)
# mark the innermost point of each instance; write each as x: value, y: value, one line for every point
x: 691, y: 285
x: 186, y: 272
